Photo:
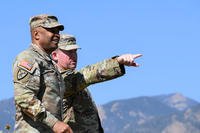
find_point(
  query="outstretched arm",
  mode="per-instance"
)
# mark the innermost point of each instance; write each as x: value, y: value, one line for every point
x: 99, y: 72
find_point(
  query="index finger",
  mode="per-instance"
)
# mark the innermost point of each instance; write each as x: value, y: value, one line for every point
x: 136, y: 56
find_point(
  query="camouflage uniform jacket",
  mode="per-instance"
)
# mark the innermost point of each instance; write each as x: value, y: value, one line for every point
x: 78, y: 101
x: 39, y: 89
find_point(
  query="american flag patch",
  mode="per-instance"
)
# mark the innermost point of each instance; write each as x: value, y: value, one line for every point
x: 26, y: 64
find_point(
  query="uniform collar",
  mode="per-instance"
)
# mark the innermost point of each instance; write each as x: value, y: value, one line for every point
x: 68, y: 71
x: 41, y: 52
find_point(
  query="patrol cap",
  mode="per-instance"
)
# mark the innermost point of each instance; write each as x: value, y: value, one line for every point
x: 46, y: 21
x: 67, y: 42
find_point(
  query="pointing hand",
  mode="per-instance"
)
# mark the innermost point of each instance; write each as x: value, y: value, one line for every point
x: 128, y: 59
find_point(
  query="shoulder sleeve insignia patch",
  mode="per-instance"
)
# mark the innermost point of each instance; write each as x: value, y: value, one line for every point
x: 21, y: 74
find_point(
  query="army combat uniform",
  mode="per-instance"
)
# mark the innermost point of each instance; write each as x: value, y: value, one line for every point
x: 84, y: 115
x: 38, y: 92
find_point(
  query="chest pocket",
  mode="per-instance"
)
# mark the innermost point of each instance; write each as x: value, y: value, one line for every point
x: 49, y: 82
x: 50, y: 76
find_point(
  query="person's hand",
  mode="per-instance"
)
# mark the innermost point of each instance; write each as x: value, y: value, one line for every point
x: 61, y: 127
x: 128, y: 59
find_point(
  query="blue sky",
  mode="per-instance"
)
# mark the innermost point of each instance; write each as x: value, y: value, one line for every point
x: 167, y: 33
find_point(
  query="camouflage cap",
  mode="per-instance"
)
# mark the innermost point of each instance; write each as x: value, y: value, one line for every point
x: 67, y: 42
x: 46, y: 21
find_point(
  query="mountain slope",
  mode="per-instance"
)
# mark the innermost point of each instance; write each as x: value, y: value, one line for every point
x: 177, y: 101
x: 164, y: 113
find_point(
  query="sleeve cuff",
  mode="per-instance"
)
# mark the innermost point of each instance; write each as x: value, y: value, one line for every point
x: 50, y: 120
x: 122, y: 68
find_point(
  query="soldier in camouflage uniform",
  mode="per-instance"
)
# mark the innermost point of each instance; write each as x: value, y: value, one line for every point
x: 80, y: 112
x: 38, y: 85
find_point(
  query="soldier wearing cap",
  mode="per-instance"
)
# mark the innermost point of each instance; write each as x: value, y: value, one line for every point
x: 80, y: 111
x: 38, y: 86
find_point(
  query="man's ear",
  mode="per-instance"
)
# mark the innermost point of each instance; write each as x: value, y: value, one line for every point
x: 36, y: 35
x: 54, y: 56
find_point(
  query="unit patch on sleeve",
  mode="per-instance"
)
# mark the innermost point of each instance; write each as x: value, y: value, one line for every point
x: 21, y: 74
x: 24, y: 70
